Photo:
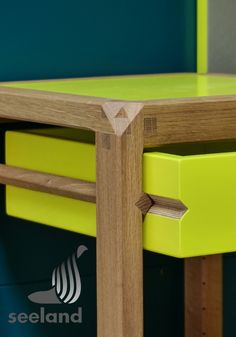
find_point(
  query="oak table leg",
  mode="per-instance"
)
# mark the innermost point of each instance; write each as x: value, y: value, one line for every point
x: 203, y: 296
x: 119, y: 233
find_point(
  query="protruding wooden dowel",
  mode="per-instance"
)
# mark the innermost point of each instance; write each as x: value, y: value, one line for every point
x: 171, y: 208
x: 49, y: 183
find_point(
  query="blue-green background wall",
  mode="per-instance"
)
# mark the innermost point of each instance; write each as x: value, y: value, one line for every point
x: 58, y: 38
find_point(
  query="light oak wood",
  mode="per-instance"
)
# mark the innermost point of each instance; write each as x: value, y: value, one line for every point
x: 203, y: 296
x: 119, y: 233
x: 53, y: 108
x: 49, y: 183
x: 165, y: 121
x: 153, y: 204
x: 167, y: 207
x: 144, y: 203
x: 190, y: 120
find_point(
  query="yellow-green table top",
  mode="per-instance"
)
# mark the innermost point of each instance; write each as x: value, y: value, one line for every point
x: 142, y: 87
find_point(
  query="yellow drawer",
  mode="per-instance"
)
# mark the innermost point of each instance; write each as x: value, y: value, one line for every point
x: 194, y: 187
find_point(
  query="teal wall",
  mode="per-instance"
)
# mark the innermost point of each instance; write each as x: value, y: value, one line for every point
x: 58, y: 38
x: 52, y: 39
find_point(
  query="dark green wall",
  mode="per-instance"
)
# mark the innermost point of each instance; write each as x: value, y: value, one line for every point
x: 58, y: 38
x: 51, y: 39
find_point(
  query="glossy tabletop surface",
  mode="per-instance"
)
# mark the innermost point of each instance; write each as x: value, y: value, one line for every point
x: 138, y: 88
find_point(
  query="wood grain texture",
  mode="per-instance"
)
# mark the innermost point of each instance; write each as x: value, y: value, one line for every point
x: 171, y: 208
x: 189, y: 120
x: 165, y: 121
x: 203, y: 296
x: 44, y: 182
x: 54, y: 109
x: 119, y: 233
x: 144, y: 203
x: 167, y: 207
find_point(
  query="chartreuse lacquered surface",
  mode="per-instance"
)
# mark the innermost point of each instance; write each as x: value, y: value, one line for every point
x: 146, y: 87
x: 202, y: 36
x: 59, y: 153
x: 201, y: 176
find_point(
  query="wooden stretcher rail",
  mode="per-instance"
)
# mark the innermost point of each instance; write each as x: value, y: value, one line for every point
x: 81, y: 190
x: 49, y: 183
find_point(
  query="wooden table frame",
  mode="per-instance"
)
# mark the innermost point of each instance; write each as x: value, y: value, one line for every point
x: 123, y: 129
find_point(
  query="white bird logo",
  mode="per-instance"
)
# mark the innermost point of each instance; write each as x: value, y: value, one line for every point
x: 66, y: 283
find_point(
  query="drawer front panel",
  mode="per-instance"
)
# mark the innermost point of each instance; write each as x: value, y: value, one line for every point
x: 203, y: 181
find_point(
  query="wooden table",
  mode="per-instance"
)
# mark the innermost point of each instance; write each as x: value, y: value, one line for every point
x: 128, y: 114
